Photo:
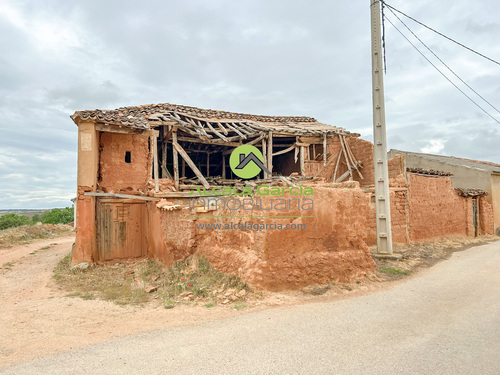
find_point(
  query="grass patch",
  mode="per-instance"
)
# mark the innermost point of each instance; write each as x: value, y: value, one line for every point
x: 45, y: 247
x: 8, y: 265
x: 28, y: 233
x: 191, y: 281
x: 240, y: 306
x: 209, y: 305
x: 394, y: 271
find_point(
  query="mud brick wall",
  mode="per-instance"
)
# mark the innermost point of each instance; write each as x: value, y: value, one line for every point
x: 396, y: 167
x: 312, y: 167
x: 399, y: 218
x: 486, y: 218
x: 331, y: 248
x: 115, y: 174
x: 363, y: 152
x: 435, y: 209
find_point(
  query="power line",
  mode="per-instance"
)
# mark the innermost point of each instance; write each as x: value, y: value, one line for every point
x: 455, y: 74
x: 437, y: 32
x: 444, y: 75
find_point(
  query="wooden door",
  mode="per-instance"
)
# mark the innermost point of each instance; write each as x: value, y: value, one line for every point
x: 120, y: 232
x: 475, y: 216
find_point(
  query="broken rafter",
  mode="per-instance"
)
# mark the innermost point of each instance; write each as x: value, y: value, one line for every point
x: 193, y: 167
x: 217, y: 133
x: 355, y: 163
x: 349, y: 168
x: 224, y: 130
x: 285, y: 150
x: 243, y: 136
x: 337, y: 164
x: 198, y: 126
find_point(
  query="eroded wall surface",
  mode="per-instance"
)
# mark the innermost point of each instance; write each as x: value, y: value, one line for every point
x: 436, y: 210
x: 331, y: 248
x: 486, y: 217
x: 115, y: 173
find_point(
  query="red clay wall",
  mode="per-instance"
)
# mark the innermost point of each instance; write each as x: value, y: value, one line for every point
x: 332, y: 248
x: 435, y: 209
x: 363, y: 152
x: 398, y: 197
x: 84, y: 227
x: 486, y: 218
x: 115, y: 175
x: 312, y: 166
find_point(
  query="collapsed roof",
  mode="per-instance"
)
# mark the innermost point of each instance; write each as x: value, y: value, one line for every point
x: 207, y: 123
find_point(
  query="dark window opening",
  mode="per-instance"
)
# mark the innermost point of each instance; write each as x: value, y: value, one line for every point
x: 128, y: 157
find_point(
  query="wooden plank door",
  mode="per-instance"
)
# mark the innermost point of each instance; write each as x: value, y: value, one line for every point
x: 120, y: 232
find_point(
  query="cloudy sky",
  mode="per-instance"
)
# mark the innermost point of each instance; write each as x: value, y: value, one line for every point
x: 274, y: 57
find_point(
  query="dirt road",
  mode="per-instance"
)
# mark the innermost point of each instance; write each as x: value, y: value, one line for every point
x: 446, y: 321
x: 38, y: 319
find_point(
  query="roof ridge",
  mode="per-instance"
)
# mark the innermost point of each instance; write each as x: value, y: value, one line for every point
x: 490, y: 163
x: 147, y: 109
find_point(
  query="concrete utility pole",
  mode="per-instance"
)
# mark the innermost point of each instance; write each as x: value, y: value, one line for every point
x: 382, y: 202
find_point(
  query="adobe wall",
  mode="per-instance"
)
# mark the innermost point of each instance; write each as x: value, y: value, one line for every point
x: 332, y: 248
x: 85, y: 219
x: 312, y: 167
x: 463, y: 177
x: 486, y: 217
x: 363, y: 152
x: 115, y: 174
x: 399, y: 217
x: 88, y: 150
x: 435, y: 209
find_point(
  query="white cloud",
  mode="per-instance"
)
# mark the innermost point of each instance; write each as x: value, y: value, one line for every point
x: 435, y: 146
x: 253, y: 56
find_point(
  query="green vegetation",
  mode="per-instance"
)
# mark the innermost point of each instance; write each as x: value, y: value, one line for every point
x: 14, y: 220
x: 394, y: 271
x: 54, y: 216
x: 191, y: 281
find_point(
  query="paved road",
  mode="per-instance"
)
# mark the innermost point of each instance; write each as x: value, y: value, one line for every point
x: 446, y: 321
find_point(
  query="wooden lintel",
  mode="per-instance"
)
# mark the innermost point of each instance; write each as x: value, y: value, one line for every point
x: 110, y: 128
x: 209, y: 141
x: 121, y: 196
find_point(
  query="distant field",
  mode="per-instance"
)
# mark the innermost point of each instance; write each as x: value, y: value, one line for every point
x: 27, y: 212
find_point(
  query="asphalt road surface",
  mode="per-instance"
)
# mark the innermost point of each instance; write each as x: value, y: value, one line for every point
x: 446, y: 321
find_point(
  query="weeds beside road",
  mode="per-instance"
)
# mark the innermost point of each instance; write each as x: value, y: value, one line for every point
x: 139, y: 282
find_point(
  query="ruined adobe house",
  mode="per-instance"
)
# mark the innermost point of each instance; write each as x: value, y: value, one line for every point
x: 466, y: 174
x: 141, y: 171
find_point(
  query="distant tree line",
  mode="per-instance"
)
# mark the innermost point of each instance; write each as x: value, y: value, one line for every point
x: 54, y: 216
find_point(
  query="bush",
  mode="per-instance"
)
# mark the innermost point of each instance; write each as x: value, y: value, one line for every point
x: 55, y: 216
x: 13, y: 220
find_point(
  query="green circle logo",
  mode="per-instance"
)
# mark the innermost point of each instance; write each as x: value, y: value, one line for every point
x: 246, y: 161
